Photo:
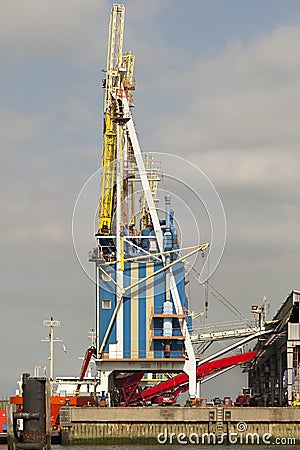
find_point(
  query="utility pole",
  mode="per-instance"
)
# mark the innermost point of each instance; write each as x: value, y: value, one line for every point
x: 51, y: 324
x: 92, y: 336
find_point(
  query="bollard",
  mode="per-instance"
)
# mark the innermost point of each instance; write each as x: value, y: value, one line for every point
x: 35, y: 433
x: 11, y: 438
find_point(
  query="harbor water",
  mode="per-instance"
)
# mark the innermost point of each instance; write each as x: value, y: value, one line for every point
x: 160, y: 447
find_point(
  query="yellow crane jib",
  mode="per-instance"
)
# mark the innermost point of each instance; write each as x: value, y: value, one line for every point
x: 119, y: 81
x: 109, y: 146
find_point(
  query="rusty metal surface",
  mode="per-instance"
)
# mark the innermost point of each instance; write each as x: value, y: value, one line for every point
x: 34, y: 436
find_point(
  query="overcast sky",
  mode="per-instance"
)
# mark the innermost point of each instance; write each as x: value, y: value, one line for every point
x: 218, y: 83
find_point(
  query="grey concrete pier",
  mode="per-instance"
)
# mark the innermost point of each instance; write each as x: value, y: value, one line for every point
x: 174, y: 425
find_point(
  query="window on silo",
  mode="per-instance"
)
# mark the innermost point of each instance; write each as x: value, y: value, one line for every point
x: 106, y: 304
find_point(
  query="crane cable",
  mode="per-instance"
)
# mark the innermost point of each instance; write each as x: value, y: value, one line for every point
x: 222, y: 299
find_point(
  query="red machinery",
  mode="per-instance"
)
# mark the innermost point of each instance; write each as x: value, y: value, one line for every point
x: 3, y: 428
x: 243, y: 399
x: 227, y: 401
x: 128, y: 390
x: 85, y: 364
x: 130, y: 393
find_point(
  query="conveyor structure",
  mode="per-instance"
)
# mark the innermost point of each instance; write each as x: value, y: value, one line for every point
x: 131, y: 394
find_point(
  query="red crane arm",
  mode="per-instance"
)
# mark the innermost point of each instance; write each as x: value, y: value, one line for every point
x: 180, y: 382
x: 85, y: 364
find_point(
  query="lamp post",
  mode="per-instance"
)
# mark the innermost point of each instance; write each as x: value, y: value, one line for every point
x: 51, y: 324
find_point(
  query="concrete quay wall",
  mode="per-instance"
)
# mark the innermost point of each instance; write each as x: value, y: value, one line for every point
x: 153, y: 425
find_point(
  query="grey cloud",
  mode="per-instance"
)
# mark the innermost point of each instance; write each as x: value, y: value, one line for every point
x: 241, y: 99
x: 44, y: 28
x: 71, y: 29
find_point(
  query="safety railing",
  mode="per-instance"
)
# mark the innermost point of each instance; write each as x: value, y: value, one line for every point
x: 159, y: 310
x: 143, y: 354
x: 225, y: 326
x: 165, y: 333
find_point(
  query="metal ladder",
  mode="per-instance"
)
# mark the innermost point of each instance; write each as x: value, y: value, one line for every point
x: 219, y: 423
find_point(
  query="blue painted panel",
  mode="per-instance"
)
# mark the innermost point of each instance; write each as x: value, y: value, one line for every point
x: 106, y: 292
x: 178, y: 271
x: 159, y: 299
x: 142, y: 311
x: 159, y: 288
x: 127, y: 313
x: 158, y: 350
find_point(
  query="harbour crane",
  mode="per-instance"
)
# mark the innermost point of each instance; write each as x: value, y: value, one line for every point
x: 141, y: 305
